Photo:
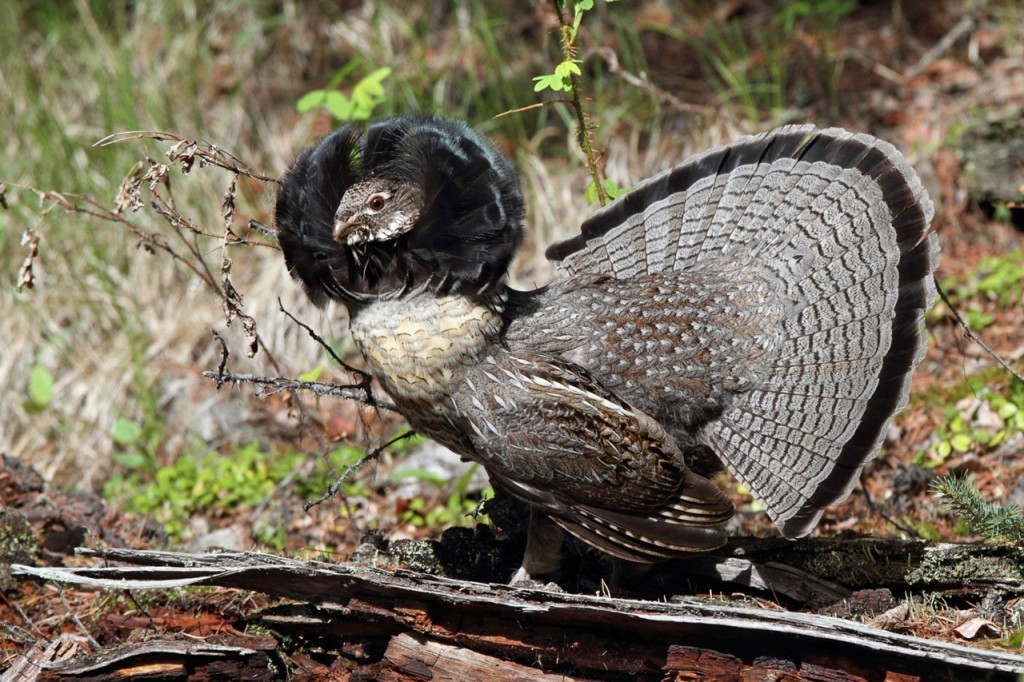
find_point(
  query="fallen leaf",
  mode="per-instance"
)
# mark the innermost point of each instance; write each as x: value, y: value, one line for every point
x: 978, y: 627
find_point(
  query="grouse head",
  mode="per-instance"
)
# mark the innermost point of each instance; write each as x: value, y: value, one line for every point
x: 412, y: 203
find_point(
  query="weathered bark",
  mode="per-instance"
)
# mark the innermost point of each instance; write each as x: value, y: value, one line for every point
x: 155, y: 659
x: 405, y: 625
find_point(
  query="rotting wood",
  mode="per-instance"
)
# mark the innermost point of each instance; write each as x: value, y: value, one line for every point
x: 155, y: 659
x: 421, y: 658
x: 591, y: 637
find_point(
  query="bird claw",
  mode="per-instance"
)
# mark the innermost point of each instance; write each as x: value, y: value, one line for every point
x: 522, y: 579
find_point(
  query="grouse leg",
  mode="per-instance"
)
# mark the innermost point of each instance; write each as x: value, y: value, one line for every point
x: 543, y: 549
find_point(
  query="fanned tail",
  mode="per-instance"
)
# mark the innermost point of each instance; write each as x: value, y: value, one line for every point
x: 841, y: 224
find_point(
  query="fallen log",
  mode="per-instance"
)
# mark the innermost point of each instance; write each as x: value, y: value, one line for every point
x: 410, y: 625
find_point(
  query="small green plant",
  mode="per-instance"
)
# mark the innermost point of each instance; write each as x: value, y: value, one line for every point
x: 928, y: 607
x: 823, y: 17
x: 1003, y: 212
x: 561, y: 79
x: 747, y: 63
x: 215, y: 483
x: 136, y: 447
x: 40, y: 390
x: 991, y: 521
x: 193, y: 484
x: 132, y: 451
x: 1014, y: 640
x: 731, y: 59
x: 611, y: 189
x: 987, y: 421
x: 313, y: 374
x: 998, y: 280
x: 338, y: 460
x: 565, y: 78
x: 458, y: 509
x: 366, y: 95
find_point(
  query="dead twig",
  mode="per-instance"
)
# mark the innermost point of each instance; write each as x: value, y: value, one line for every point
x: 611, y: 59
x: 972, y: 336
x: 959, y: 29
x: 364, y: 378
x: 74, y: 616
x: 26, y: 274
x: 538, y: 105
x: 224, y: 355
x: 370, y: 456
x: 318, y: 388
x: 35, y: 633
x: 187, y: 150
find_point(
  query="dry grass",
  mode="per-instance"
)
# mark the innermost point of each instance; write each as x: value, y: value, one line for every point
x: 123, y: 333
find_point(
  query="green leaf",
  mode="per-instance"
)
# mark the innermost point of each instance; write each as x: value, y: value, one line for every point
x: 368, y: 93
x: 372, y: 83
x: 460, y: 485
x: 126, y: 432
x: 577, y: 18
x: 612, y: 189
x: 310, y: 101
x: 40, y: 386
x: 961, y: 442
x: 547, y: 82
x: 313, y: 374
x: 339, y: 105
x: 568, y: 68
x: 131, y: 460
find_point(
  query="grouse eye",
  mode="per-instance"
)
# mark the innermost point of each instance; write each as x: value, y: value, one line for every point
x: 375, y: 202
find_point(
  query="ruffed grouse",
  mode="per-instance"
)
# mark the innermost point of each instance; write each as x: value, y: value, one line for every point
x: 759, y: 306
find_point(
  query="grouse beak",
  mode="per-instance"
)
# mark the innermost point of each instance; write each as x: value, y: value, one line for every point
x: 350, y: 230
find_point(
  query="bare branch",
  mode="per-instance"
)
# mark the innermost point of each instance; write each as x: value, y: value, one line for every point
x: 186, y: 150
x: 364, y: 378
x: 538, y: 105
x: 230, y: 297
x: 318, y: 388
x: 370, y: 456
x: 224, y: 355
x: 611, y: 59
x: 966, y: 23
x: 972, y: 336
x: 74, y: 616
x: 151, y: 242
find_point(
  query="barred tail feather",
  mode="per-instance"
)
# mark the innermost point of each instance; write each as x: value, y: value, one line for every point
x: 841, y: 224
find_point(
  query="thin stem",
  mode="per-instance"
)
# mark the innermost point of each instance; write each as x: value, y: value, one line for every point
x: 584, y: 130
